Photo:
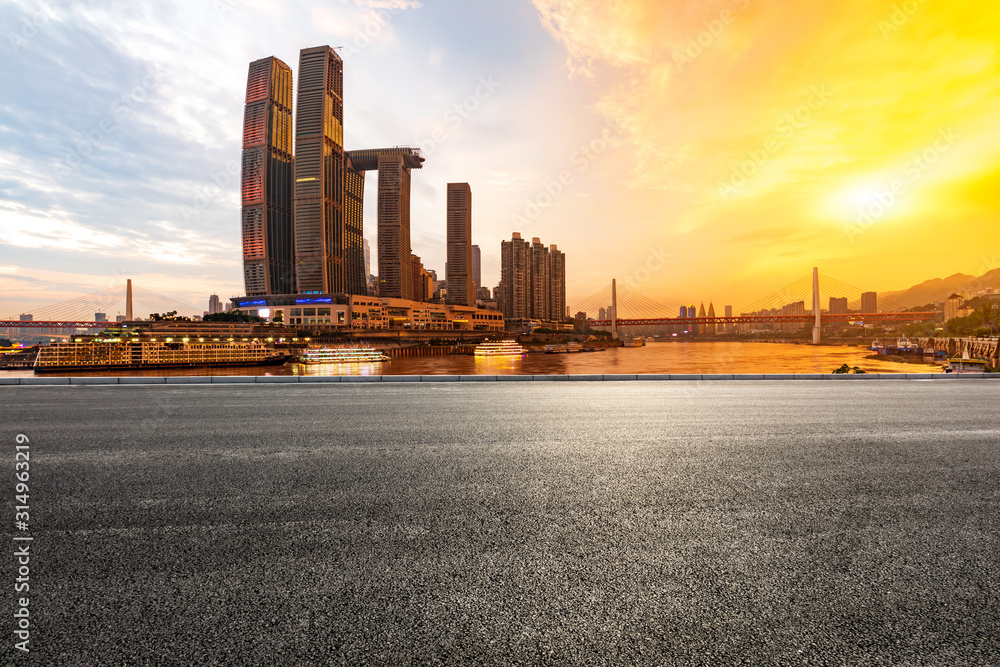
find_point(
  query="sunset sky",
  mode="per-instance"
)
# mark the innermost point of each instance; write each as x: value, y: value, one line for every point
x: 699, y: 150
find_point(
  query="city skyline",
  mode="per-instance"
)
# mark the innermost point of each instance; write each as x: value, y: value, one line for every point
x: 727, y: 157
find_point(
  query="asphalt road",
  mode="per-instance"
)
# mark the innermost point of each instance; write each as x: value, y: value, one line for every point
x: 571, y: 523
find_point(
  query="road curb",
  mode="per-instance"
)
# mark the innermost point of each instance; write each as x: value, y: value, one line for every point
x: 399, y: 379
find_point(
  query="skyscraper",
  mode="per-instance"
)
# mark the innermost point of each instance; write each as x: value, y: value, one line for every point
x: 357, y: 163
x: 395, y: 277
x: 557, y: 283
x: 356, y: 256
x: 319, y: 173
x: 266, y: 183
x: 477, y: 267
x: 461, y: 288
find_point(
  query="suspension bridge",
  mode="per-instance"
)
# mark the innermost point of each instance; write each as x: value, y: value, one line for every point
x: 625, y: 307
x: 80, y: 312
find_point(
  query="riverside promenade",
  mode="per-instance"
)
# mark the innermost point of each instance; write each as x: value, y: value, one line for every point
x: 613, y: 522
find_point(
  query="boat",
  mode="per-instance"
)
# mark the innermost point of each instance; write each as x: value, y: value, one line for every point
x: 574, y: 346
x: 966, y: 364
x: 499, y: 348
x: 556, y: 349
x: 638, y: 341
x: 342, y: 355
x: 143, y: 353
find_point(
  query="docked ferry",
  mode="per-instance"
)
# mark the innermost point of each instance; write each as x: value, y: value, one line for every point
x: 966, y: 364
x: 342, y: 355
x: 151, y: 353
x: 499, y: 348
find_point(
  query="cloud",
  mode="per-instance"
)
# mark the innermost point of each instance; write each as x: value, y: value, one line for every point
x: 770, y: 114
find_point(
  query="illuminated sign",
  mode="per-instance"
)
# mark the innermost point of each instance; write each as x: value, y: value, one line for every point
x: 301, y: 301
x: 259, y: 302
x: 264, y: 312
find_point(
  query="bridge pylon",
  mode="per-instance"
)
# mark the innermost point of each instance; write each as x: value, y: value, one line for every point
x: 817, y: 324
x: 614, y: 310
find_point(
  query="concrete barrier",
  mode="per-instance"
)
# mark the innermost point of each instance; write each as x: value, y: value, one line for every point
x: 141, y: 380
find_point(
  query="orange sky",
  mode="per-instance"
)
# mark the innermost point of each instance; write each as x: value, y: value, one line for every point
x: 765, y: 137
x: 701, y: 150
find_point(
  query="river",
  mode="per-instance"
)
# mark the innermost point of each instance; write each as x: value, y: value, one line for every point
x: 668, y: 357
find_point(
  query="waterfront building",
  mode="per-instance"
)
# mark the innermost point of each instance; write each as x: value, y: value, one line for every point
x: 394, y: 275
x: 458, y: 269
x: 319, y: 174
x: 333, y: 312
x: 477, y: 267
x: 869, y: 302
x: 394, y: 213
x: 266, y: 186
x: 838, y: 305
x: 538, y: 267
x: 514, y: 276
x: 558, y: 310
x: 356, y: 253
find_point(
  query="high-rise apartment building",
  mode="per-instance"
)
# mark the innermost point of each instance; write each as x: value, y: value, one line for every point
x: 557, y: 284
x: 461, y: 287
x: 215, y: 304
x: 838, y: 306
x: 320, y: 235
x: 869, y: 302
x: 539, y: 267
x: 266, y: 182
x: 532, y: 280
x: 514, y: 275
x: 477, y: 267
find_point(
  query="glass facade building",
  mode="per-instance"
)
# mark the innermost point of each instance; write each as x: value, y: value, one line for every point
x: 266, y: 182
x: 320, y: 238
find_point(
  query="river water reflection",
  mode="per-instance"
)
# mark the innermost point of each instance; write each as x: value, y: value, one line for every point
x: 668, y: 357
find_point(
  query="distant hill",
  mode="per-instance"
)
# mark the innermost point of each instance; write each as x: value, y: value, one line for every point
x: 940, y: 289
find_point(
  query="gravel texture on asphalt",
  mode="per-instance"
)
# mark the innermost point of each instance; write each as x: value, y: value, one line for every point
x: 555, y: 524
